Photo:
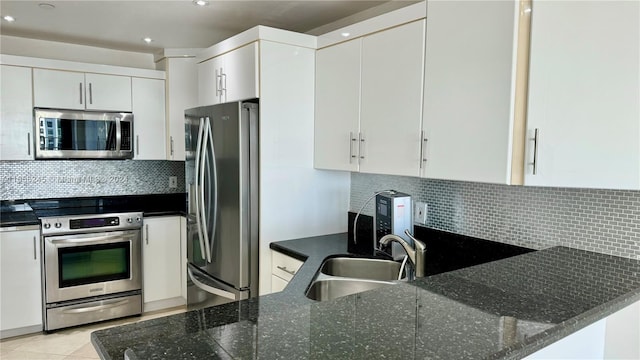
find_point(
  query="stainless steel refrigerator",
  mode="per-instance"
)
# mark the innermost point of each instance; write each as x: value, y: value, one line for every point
x: 221, y: 170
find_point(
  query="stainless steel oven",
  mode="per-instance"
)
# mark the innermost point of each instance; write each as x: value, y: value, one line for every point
x: 91, y: 268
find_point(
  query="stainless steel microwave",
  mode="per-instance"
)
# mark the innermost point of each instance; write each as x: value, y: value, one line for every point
x: 71, y: 134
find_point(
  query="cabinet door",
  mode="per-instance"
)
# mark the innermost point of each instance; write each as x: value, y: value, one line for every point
x: 337, y: 107
x: 391, y: 107
x: 278, y: 284
x: 468, y: 113
x: 161, y: 258
x: 239, y: 75
x: 58, y: 89
x: 209, y: 82
x: 16, y: 114
x: 149, y: 125
x: 21, y: 288
x: 108, y: 92
x: 584, y: 86
x: 182, y: 94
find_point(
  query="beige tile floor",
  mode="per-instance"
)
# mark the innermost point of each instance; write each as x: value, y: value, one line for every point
x: 69, y: 344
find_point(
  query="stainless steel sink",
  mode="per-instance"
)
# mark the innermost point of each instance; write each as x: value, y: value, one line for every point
x: 332, y: 288
x: 342, y: 276
x: 362, y: 268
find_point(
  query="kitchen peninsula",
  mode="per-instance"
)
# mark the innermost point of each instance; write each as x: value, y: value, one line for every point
x: 505, y: 309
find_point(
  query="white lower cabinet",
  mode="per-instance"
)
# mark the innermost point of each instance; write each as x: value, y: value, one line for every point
x: 283, y: 269
x: 21, y: 281
x: 162, y: 263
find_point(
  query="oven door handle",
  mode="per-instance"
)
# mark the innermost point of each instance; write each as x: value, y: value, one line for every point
x: 106, y: 304
x: 90, y: 239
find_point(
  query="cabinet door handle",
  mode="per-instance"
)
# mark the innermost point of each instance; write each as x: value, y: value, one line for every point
x: 28, y: 143
x: 535, y: 140
x: 171, y: 144
x: 284, y: 268
x: 146, y: 233
x: 80, y: 93
x: 352, y: 140
x: 224, y: 86
x: 90, y: 94
x: 35, y: 250
x: 423, y: 148
x: 137, y: 144
x: 360, y: 145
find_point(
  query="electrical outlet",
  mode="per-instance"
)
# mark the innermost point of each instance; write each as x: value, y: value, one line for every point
x: 420, y: 212
x: 173, y: 182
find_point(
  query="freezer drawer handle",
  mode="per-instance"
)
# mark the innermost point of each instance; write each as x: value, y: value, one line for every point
x: 210, y: 289
x: 284, y: 268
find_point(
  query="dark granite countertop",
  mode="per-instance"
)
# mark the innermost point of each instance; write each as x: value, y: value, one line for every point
x: 460, y: 314
x: 150, y: 205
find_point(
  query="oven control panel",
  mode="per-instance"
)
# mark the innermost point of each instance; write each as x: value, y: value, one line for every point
x: 85, y: 223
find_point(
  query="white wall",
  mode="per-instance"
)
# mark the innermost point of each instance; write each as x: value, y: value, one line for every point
x: 12, y: 45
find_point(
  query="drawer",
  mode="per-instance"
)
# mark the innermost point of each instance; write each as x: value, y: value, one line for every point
x: 277, y: 284
x: 284, y: 266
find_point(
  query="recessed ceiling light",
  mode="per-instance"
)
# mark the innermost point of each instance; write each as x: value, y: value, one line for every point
x: 201, y: 2
x: 46, y: 6
x: 148, y: 40
x: 9, y: 18
x: 345, y: 34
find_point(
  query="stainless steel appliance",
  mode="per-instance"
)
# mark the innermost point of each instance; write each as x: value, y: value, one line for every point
x: 70, y: 134
x: 393, y: 215
x: 221, y: 172
x: 92, y: 268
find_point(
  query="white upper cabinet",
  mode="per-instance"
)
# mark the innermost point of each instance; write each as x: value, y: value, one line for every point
x: 240, y: 74
x: 584, y: 95
x: 108, y: 92
x: 391, y: 100
x: 16, y: 114
x: 59, y: 89
x: 149, y: 125
x: 337, y: 106
x: 182, y: 94
x: 369, y: 102
x: 468, y: 96
x: 229, y: 77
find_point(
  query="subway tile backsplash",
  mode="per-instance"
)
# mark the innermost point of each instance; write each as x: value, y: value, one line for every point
x: 80, y: 178
x: 604, y: 221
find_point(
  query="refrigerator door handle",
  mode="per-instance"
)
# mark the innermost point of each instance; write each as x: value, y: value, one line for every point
x: 208, y: 288
x: 214, y: 211
x: 198, y: 187
x: 203, y: 210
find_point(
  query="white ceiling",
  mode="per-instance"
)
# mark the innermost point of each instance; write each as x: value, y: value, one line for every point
x: 176, y: 23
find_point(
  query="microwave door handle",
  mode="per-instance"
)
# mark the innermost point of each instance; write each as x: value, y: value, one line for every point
x: 198, y: 187
x: 214, y: 186
x: 203, y: 210
x: 118, y: 135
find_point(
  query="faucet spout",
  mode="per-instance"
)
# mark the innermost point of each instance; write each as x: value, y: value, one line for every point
x: 416, y: 252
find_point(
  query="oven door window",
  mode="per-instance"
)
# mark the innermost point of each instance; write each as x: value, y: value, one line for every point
x: 93, y: 264
x: 73, y: 134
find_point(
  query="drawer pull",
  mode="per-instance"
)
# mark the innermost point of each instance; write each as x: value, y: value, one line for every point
x: 284, y: 268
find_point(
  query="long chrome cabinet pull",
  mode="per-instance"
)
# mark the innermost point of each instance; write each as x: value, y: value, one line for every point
x: 423, y: 148
x: 137, y: 144
x: 535, y: 140
x: 352, y: 140
x: 90, y: 94
x: 360, y: 145
x: 146, y: 233
x: 171, y: 144
x: 284, y: 268
x: 28, y: 143
x: 35, y: 255
x: 80, y: 93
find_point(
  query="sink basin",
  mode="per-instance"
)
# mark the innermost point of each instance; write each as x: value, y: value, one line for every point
x: 332, y: 288
x: 362, y: 268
